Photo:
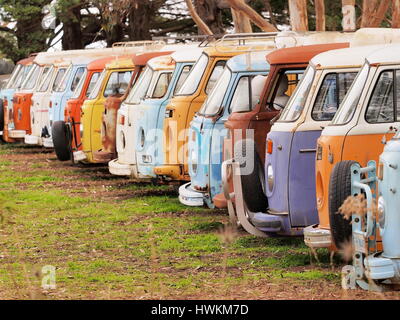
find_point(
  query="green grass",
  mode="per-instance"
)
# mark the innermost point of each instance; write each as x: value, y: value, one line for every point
x: 112, y: 238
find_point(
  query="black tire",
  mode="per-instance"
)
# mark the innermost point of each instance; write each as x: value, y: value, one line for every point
x: 1, y: 115
x: 253, y: 183
x: 61, y: 140
x: 339, y: 190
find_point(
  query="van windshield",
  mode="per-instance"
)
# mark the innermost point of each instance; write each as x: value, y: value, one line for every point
x: 214, y: 101
x: 297, y: 101
x: 29, y: 83
x: 96, y: 90
x: 78, y: 89
x: 141, y: 87
x: 192, y: 81
x: 14, y: 74
x: 60, y: 84
x: 45, y: 82
x: 350, y: 102
x: 21, y: 76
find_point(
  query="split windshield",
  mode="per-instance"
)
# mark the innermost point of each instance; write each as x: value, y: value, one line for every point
x: 79, y: 87
x: 44, y: 85
x: 141, y: 87
x: 213, y: 103
x: 192, y: 81
x: 21, y: 76
x: 297, y: 101
x: 59, y: 77
x: 96, y: 90
x: 29, y: 83
x: 14, y: 74
x: 349, y: 104
x: 60, y: 84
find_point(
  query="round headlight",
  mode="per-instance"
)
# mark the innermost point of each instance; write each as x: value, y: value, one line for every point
x: 270, y: 177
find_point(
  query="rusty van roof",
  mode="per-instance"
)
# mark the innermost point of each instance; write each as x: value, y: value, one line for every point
x: 302, y: 54
x: 99, y: 63
x: 162, y: 63
x: 28, y: 60
x: 141, y: 59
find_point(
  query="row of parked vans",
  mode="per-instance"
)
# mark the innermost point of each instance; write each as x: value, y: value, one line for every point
x: 267, y: 125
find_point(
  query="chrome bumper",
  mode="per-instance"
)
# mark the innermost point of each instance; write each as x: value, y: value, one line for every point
x: 190, y: 197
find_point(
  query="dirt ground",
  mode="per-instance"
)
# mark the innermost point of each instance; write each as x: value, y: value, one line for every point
x: 109, y: 238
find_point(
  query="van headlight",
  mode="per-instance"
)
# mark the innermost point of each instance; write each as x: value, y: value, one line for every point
x: 270, y: 177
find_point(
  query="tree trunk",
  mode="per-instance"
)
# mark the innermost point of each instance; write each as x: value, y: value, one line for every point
x: 320, y: 15
x: 241, y: 22
x: 298, y: 15
x: 395, y: 13
x: 72, y: 38
x: 349, y: 15
x: 139, y: 22
x: 240, y: 5
x: 373, y: 12
x: 207, y: 15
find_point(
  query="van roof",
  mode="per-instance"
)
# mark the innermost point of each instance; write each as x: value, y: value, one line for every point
x: 141, y: 59
x: 187, y: 55
x: 99, y: 63
x: 347, y: 58
x: 162, y: 63
x: 28, y: 60
x: 301, y: 54
x: 251, y: 61
x: 372, y: 36
x: 388, y: 54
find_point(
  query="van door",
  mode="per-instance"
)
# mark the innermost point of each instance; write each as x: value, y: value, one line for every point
x: 363, y: 142
x: 301, y: 180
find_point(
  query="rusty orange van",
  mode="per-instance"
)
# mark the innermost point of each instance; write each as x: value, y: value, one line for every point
x: 14, y: 84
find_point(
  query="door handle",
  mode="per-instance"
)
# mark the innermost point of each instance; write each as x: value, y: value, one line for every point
x: 308, y: 150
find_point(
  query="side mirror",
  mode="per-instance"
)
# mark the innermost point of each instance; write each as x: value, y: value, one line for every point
x: 274, y: 119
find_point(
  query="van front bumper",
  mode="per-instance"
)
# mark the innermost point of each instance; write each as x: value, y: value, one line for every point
x: 170, y: 171
x: 121, y: 169
x: 48, y: 142
x: 79, y: 156
x: 190, y: 197
x: 33, y: 140
x: 315, y: 237
x: 17, y: 134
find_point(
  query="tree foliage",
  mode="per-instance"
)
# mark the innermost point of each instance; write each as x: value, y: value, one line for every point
x: 28, y: 35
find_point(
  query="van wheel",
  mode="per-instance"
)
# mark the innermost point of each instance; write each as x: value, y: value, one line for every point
x: 339, y: 190
x: 253, y: 182
x: 61, y: 140
x: 1, y: 115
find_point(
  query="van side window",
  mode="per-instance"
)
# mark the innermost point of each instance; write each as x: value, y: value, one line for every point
x: 118, y: 83
x: 218, y: 68
x: 184, y: 74
x: 161, y: 87
x: 381, y: 104
x: 331, y: 93
x: 284, y: 88
x: 77, y: 78
x: 241, y: 99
